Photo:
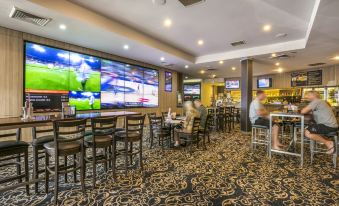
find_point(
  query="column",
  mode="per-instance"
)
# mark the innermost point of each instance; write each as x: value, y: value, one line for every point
x: 246, y: 94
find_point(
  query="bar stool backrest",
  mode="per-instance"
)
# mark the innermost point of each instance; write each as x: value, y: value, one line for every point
x: 196, y: 126
x: 210, y: 111
x: 220, y: 110
x: 103, y: 126
x: 10, y: 135
x: 155, y: 123
x: 135, y: 125
x: 69, y: 130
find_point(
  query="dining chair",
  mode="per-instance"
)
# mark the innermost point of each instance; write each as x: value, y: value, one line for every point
x: 157, y: 131
x: 190, y: 137
x: 11, y: 152
x: 103, y: 130
x: 68, y: 141
x: 134, y: 128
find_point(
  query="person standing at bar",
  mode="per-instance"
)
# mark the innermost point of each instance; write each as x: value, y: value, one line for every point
x: 259, y: 116
x: 325, y: 121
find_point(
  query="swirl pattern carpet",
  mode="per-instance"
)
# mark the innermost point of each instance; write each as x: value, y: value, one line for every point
x: 227, y: 173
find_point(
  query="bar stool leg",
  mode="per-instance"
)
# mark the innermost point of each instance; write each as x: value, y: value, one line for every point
x: 35, y: 168
x: 26, y: 171
x: 65, y: 159
x: 252, y: 139
x: 335, y: 152
x: 46, y: 172
x: 56, y: 180
x: 312, y: 150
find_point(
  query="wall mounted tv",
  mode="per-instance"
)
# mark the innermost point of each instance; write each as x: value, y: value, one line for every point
x: 54, y: 75
x: 232, y: 84
x: 264, y: 82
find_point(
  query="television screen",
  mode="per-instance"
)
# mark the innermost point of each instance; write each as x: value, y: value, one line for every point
x: 112, y: 84
x: 168, y: 81
x: 151, y: 86
x: 134, y: 87
x: 192, y: 89
x: 54, y: 76
x: 84, y: 100
x: 264, y: 83
x: 232, y: 84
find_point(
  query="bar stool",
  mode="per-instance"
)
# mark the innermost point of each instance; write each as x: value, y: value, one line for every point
x: 13, y: 150
x: 315, y: 147
x: 260, y: 136
x: 68, y: 140
x: 157, y: 131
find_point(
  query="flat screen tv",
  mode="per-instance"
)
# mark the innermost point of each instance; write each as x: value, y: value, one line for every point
x: 232, y: 84
x: 192, y: 89
x: 264, y: 82
x: 54, y: 76
x: 168, y: 81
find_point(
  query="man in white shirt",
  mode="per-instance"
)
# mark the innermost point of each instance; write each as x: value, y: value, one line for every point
x: 259, y: 116
x: 325, y: 120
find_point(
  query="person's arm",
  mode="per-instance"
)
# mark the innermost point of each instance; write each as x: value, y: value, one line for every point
x: 262, y: 112
x: 309, y: 108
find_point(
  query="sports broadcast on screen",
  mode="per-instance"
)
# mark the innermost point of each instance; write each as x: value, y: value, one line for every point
x: 54, y: 76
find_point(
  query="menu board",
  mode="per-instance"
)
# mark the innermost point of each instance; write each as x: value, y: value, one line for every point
x: 310, y: 78
x: 314, y: 77
x: 299, y: 79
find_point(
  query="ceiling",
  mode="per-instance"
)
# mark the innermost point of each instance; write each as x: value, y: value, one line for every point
x: 107, y: 25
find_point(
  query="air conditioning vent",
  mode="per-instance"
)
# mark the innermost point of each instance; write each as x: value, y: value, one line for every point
x: 191, y: 2
x: 27, y: 17
x: 211, y: 70
x: 168, y: 65
x: 238, y: 43
x: 281, y: 56
x: 317, y: 64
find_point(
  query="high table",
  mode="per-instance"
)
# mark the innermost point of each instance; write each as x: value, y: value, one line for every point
x: 302, y: 125
x: 44, y: 120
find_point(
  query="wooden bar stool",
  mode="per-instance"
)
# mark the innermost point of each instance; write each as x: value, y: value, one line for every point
x: 103, y: 130
x: 13, y: 150
x: 68, y: 141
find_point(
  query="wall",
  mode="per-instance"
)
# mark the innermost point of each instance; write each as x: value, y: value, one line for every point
x: 11, y: 72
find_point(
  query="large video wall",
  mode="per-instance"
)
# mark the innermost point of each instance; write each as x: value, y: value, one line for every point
x: 54, y: 76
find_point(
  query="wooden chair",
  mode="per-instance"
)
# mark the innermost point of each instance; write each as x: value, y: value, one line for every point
x: 134, y: 127
x: 68, y: 140
x: 103, y: 130
x: 204, y: 130
x: 150, y: 115
x: 14, y: 150
x: 157, y: 130
x: 190, y: 137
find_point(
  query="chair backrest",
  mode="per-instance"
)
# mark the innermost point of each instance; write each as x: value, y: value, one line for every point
x: 135, y: 125
x: 208, y: 122
x: 155, y: 122
x: 195, y: 126
x: 10, y: 134
x: 210, y: 111
x: 103, y: 126
x: 36, y: 131
x: 69, y: 130
x: 220, y: 110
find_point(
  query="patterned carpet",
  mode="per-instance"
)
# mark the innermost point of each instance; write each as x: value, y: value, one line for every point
x: 227, y: 173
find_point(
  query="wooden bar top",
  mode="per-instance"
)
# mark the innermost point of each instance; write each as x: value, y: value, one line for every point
x: 8, y: 122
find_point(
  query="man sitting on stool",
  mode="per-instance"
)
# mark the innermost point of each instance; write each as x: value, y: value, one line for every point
x: 259, y: 116
x: 325, y: 121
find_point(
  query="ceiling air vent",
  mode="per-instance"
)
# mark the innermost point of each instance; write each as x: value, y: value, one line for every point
x: 191, y: 2
x: 211, y: 70
x: 238, y: 43
x: 280, y: 56
x: 317, y: 64
x: 27, y: 17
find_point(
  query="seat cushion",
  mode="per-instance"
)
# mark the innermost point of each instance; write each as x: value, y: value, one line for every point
x: 99, y: 139
x: 42, y: 140
x: 132, y: 136
x: 12, y: 144
x: 64, y: 148
x: 259, y: 126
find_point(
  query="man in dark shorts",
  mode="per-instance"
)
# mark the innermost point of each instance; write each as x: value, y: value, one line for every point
x: 259, y: 116
x: 325, y: 121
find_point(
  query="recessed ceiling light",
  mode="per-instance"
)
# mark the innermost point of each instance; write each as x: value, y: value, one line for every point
x: 186, y: 77
x: 214, y: 75
x: 233, y: 68
x: 127, y: 65
x: 200, y: 42
x: 167, y: 22
x: 273, y: 55
x: 277, y: 64
x: 186, y: 66
x: 336, y: 57
x: 221, y: 62
x: 126, y: 46
x: 62, y: 27
x: 280, y: 69
x: 202, y: 71
x: 162, y: 59
x: 267, y: 27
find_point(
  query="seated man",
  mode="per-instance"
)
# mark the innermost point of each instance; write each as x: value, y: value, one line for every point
x: 325, y: 121
x: 187, y: 125
x: 259, y: 116
x: 203, y: 112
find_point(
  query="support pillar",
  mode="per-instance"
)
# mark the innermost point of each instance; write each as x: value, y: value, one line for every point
x: 246, y: 94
